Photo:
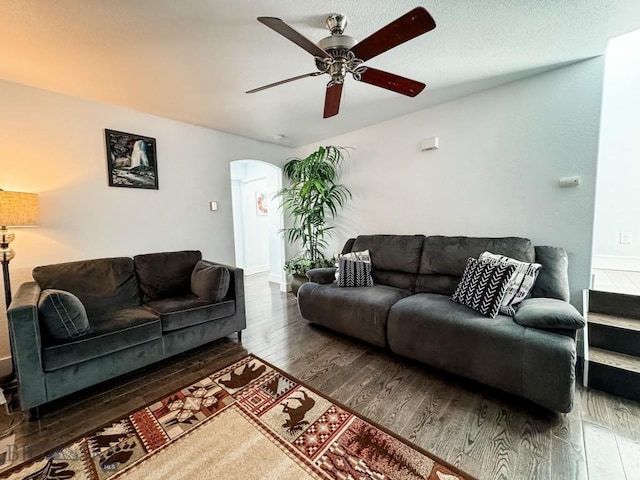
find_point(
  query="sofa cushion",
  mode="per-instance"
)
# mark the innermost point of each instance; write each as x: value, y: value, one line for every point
x: 188, y: 310
x: 210, y: 282
x: 354, y: 273
x: 448, y: 255
x: 548, y: 313
x: 102, y: 285
x: 360, y: 311
x: 520, y: 284
x: 553, y: 280
x: 163, y: 275
x: 483, y: 285
x: 395, y: 259
x: 436, y: 283
x: 62, y: 314
x: 398, y: 253
x: 532, y: 363
x: 115, y: 331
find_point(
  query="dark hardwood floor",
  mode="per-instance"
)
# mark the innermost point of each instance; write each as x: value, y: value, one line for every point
x: 485, y: 432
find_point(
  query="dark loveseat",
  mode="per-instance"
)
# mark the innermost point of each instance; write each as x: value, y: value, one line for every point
x: 409, y: 310
x: 138, y: 311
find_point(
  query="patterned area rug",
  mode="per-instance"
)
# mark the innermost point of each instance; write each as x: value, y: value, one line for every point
x: 247, y: 421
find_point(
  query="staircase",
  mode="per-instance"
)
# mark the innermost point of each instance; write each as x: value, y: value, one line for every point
x: 612, y: 343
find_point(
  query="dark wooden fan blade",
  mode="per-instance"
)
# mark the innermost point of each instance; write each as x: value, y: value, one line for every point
x: 392, y: 82
x: 291, y: 34
x: 332, y: 100
x: 410, y: 25
x: 292, y: 79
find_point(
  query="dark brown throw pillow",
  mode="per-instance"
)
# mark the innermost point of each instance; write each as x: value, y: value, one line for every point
x: 210, y: 282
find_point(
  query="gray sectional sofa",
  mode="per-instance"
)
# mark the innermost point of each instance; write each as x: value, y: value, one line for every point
x: 81, y: 323
x: 409, y: 311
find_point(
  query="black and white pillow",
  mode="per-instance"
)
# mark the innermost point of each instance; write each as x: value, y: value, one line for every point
x: 521, y: 282
x: 362, y: 256
x: 483, y: 285
x: 354, y: 273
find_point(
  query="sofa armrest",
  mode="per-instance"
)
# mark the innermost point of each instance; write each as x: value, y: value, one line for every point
x: 236, y: 291
x: 26, y: 345
x: 322, y: 275
x: 548, y: 313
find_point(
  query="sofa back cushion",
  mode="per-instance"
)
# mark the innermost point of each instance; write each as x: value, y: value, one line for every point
x: 168, y: 274
x: 553, y: 279
x: 102, y: 285
x: 395, y: 259
x: 444, y: 258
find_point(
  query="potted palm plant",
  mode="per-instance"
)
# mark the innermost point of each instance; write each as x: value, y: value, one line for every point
x: 312, y: 195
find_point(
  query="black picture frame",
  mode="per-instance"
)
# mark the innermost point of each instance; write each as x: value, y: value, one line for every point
x: 131, y: 160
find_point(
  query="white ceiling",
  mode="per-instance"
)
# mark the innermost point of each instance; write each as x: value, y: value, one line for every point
x: 192, y: 60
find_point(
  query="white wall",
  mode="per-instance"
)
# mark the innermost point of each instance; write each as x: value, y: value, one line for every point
x: 54, y: 145
x: 495, y: 174
x: 618, y: 186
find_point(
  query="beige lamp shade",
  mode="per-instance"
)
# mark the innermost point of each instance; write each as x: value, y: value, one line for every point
x: 19, y: 209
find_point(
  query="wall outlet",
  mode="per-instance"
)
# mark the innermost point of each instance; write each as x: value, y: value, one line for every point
x: 626, y: 237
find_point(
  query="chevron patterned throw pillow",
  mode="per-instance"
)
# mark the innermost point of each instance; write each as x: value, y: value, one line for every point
x: 521, y: 283
x: 354, y: 273
x: 483, y: 285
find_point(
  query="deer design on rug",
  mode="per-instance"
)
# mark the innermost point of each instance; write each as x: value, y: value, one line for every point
x: 296, y: 415
x: 248, y: 373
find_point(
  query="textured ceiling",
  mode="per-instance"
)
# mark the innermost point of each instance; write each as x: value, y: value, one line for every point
x: 192, y: 60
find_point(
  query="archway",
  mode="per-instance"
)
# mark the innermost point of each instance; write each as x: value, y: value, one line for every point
x: 258, y: 218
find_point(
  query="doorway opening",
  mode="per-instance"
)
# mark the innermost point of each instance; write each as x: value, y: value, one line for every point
x: 616, y: 245
x: 258, y: 219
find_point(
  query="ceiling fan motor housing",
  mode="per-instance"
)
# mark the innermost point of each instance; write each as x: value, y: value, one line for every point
x: 337, y: 42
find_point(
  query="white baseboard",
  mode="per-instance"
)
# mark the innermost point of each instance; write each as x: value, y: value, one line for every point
x: 606, y: 262
x: 256, y: 269
x: 284, y: 286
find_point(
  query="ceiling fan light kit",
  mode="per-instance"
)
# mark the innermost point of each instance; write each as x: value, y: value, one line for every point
x: 340, y: 54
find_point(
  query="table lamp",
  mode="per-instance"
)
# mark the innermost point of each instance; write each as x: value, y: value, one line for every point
x: 17, y: 209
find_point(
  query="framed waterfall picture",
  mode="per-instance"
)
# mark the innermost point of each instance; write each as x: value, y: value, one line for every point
x: 131, y: 160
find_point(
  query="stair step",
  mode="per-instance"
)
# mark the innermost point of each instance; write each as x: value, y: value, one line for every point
x: 614, y: 359
x: 615, y: 373
x: 625, y: 323
x: 618, y: 334
x: 618, y: 304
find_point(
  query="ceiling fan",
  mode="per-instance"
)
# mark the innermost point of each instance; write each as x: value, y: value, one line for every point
x: 339, y: 54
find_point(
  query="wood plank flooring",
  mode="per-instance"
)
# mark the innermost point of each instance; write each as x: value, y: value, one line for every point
x: 617, y: 281
x: 485, y: 432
